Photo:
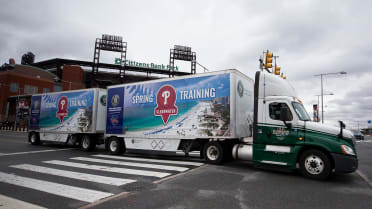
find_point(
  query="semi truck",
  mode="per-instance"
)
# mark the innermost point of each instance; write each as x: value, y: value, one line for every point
x: 68, y: 117
x: 226, y: 115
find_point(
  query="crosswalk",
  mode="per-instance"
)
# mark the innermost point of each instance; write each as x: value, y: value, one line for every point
x: 90, y: 178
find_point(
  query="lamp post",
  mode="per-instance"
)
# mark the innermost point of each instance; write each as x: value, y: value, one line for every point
x: 321, y: 86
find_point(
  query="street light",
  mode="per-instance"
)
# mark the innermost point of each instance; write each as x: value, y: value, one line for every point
x: 321, y: 84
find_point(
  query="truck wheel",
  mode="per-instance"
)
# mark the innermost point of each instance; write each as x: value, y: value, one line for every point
x: 213, y: 153
x: 87, y: 143
x: 116, y: 146
x: 315, y: 164
x: 34, y: 138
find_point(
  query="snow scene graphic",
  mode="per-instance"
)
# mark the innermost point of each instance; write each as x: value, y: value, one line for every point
x: 201, y: 107
x: 67, y: 111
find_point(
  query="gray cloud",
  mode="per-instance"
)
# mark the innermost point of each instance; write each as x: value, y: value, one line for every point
x: 310, y: 37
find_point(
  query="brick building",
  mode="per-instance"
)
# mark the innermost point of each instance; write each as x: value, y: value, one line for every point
x: 19, y: 82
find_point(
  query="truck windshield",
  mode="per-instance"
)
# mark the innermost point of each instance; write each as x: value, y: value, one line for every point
x: 301, y: 111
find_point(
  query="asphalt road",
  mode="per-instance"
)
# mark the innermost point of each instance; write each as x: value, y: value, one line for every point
x: 197, y: 185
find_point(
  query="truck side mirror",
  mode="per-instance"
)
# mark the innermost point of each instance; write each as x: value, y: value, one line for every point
x: 284, y: 114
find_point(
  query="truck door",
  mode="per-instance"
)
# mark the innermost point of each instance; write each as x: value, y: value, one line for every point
x: 275, y: 139
x: 277, y: 132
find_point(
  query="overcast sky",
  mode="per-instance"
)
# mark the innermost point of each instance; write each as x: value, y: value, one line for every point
x: 310, y: 37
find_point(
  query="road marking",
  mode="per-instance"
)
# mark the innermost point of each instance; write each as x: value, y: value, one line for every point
x: 364, y: 177
x: 151, y: 160
x: 77, y: 193
x: 142, y: 165
x: 179, y: 174
x: 11, y: 203
x: 109, y: 169
x: 38, y: 151
x: 75, y: 175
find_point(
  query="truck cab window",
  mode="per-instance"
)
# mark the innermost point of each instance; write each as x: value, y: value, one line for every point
x: 274, y: 110
x: 301, y: 111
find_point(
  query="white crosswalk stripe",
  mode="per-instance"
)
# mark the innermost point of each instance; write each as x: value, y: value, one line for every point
x: 151, y: 160
x: 73, y: 192
x: 142, y: 165
x: 75, y: 175
x: 109, y: 169
x: 111, y: 165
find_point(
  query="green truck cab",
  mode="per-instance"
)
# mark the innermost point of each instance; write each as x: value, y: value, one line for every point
x: 284, y: 135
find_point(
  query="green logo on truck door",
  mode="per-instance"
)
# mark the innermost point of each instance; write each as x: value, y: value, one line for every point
x: 280, y: 132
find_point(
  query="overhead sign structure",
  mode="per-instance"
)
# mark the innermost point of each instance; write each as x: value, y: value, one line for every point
x: 110, y: 43
x: 183, y: 53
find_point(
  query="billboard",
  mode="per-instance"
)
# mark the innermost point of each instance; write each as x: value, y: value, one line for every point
x: 198, y: 106
x: 62, y: 112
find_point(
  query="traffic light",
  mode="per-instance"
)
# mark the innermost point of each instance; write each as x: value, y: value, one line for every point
x: 269, y: 60
x: 284, y: 77
x: 277, y: 70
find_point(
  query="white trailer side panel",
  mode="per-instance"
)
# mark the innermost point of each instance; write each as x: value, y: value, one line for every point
x: 244, y: 101
x: 101, y: 111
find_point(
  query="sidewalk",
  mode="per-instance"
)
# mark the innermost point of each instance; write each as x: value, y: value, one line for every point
x: 9, y: 128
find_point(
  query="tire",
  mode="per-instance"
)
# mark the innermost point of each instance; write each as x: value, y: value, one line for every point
x: 34, y: 138
x: 315, y: 164
x: 213, y: 153
x: 115, y: 146
x: 87, y: 143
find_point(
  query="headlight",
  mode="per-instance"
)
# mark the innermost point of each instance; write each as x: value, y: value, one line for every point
x: 347, y: 150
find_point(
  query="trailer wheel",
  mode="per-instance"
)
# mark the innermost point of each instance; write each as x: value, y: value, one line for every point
x: 34, y: 138
x: 213, y: 153
x: 87, y: 143
x: 116, y: 146
x: 315, y: 164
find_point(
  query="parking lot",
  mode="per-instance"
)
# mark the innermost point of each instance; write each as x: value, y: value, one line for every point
x: 51, y: 176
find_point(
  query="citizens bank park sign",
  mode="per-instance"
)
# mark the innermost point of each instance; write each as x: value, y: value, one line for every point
x: 145, y: 65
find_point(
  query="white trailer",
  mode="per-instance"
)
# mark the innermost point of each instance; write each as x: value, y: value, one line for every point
x: 189, y: 113
x: 76, y: 116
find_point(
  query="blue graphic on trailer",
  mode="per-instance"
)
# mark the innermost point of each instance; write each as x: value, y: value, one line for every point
x: 115, y: 101
x: 67, y: 111
x: 35, y: 113
x: 154, y: 108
